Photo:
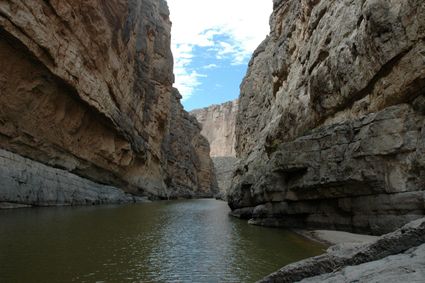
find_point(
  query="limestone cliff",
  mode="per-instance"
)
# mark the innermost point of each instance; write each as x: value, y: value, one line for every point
x: 331, y: 122
x: 218, y: 127
x: 187, y: 151
x: 86, y: 86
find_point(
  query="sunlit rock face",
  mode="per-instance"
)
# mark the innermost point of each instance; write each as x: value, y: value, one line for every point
x: 331, y: 125
x: 218, y: 127
x: 86, y: 86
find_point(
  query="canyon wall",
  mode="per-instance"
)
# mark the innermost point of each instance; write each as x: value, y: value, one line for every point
x: 188, y: 155
x: 331, y: 122
x: 224, y: 167
x: 86, y: 87
x: 218, y: 127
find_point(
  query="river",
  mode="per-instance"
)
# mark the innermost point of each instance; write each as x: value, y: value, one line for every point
x: 175, y: 241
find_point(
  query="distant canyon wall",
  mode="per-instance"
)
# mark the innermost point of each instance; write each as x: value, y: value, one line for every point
x: 86, y: 87
x: 331, y: 121
x: 218, y: 126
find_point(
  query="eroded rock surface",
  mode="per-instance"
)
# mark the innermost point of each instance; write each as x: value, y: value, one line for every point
x: 331, y: 125
x: 397, y: 257
x: 406, y: 267
x: 86, y: 86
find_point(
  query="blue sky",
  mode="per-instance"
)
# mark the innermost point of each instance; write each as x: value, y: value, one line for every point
x: 212, y: 42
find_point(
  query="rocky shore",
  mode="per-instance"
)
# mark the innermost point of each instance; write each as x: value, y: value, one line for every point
x: 332, y: 237
x: 395, y: 257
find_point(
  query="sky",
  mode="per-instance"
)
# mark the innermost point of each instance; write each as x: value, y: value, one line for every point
x: 212, y: 42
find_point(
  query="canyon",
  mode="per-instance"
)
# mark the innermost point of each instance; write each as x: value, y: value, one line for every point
x: 86, y: 94
x: 218, y: 124
x: 328, y: 133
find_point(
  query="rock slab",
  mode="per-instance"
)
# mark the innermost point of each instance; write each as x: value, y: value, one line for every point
x: 406, y: 267
x: 27, y: 182
x: 397, y: 257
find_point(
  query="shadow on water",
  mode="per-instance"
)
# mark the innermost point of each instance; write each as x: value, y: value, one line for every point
x: 179, y: 241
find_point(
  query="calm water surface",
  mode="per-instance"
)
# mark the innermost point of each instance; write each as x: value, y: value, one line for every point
x: 179, y: 241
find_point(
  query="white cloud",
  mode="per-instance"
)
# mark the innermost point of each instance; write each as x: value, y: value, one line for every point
x: 210, y: 66
x: 187, y: 82
x: 243, y: 24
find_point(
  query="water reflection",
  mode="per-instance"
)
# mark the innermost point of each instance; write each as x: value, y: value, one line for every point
x: 183, y: 241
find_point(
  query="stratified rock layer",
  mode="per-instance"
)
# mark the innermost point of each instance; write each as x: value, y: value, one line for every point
x: 218, y: 126
x: 87, y: 87
x: 331, y: 125
x: 25, y: 181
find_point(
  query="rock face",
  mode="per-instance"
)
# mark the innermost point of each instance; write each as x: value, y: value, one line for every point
x: 331, y: 122
x: 187, y: 152
x: 218, y: 126
x: 396, y: 257
x: 87, y: 87
x: 224, y: 168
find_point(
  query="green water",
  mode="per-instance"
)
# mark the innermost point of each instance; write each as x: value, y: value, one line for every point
x: 179, y: 241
